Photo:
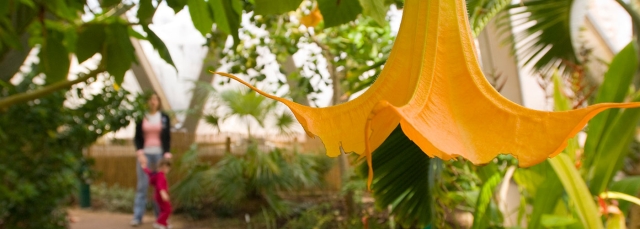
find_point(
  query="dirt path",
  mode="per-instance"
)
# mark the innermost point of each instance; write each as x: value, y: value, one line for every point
x: 88, y: 219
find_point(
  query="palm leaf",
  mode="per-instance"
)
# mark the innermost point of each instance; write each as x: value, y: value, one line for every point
x: 542, y: 34
x: 401, y: 179
x: 482, y: 11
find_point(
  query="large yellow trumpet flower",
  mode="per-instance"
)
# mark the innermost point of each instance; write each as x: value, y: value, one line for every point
x: 433, y: 87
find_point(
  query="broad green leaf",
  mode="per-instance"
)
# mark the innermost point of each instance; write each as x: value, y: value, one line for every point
x: 629, y: 186
x: 70, y: 39
x: 270, y: 7
x: 227, y: 15
x: 145, y: 12
x: 375, y: 9
x: 613, y: 148
x: 201, y: 16
x: 401, y: 180
x: 91, y: 38
x: 135, y: 34
x: 481, y: 218
x: 120, y: 53
x: 339, y: 12
x: 159, y: 46
x: 177, y: 5
x: 614, y: 88
x: 61, y: 9
x: 577, y: 191
x: 54, y: 58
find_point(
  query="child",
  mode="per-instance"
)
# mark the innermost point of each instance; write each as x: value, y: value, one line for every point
x: 159, y: 181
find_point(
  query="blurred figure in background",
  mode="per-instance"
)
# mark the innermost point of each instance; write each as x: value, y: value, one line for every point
x: 153, y: 141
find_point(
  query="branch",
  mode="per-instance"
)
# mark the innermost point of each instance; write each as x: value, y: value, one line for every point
x: 28, y: 96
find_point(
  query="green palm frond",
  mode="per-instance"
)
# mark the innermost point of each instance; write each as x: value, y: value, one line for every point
x: 401, y: 180
x: 543, y: 34
x: 482, y: 11
x: 246, y: 103
x: 284, y: 124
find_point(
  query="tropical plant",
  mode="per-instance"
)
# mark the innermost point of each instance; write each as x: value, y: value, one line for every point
x: 113, y: 198
x: 547, y: 34
x: 251, y: 177
x: 43, y: 141
x: 248, y: 107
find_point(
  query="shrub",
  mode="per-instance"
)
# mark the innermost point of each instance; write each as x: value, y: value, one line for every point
x: 43, y: 141
x: 114, y: 198
x: 251, y: 180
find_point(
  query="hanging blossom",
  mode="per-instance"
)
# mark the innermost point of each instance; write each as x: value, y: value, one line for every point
x: 433, y: 87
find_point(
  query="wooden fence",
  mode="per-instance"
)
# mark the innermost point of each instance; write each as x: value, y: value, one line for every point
x: 116, y: 160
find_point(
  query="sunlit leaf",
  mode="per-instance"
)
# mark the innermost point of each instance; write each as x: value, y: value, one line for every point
x: 375, y: 9
x: 119, y: 52
x: 616, y: 221
x: 553, y: 221
x: 269, y: 7
x: 159, y: 46
x: 614, y: 88
x: 481, y: 218
x: 227, y: 15
x: 91, y: 39
x: 54, y: 58
x: 200, y: 16
x: 339, y: 12
x: 177, y: 5
x: 145, y: 11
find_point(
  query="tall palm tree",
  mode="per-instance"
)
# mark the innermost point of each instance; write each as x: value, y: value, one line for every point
x: 249, y: 107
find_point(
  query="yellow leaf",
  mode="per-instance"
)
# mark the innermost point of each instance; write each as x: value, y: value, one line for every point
x: 434, y: 88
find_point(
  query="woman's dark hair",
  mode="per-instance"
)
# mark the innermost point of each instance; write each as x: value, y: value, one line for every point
x: 147, y: 96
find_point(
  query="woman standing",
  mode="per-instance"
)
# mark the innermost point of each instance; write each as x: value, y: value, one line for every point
x: 152, y: 139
